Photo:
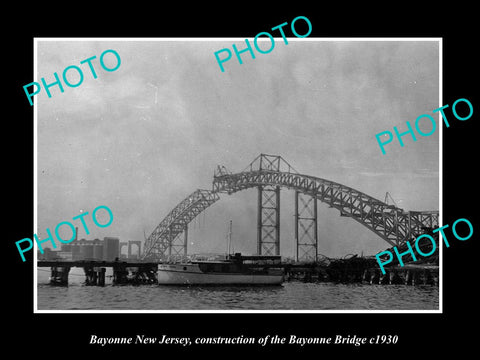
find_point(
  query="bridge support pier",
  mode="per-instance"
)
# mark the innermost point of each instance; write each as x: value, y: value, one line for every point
x: 120, y: 274
x: 268, y: 220
x: 135, y: 275
x: 59, y: 275
x: 306, y: 227
x: 177, y: 247
x: 94, y: 276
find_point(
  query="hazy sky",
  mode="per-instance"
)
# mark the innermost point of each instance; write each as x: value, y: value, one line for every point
x: 143, y: 137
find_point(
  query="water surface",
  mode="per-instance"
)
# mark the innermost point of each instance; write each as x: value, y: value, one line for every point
x: 293, y: 295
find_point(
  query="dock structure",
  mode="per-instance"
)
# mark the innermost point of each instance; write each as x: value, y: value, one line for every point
x: 347, y: 274
x: 345, y: 271
x: 135, y: 273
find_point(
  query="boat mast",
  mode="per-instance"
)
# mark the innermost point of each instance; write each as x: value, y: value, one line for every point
x: 229, y: 238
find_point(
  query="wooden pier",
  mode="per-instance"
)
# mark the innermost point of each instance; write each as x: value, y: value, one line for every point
x: 353, y: 270
x: 362, y: 271
x: 123, y: 272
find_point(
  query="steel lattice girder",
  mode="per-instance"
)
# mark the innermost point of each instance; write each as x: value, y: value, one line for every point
x: 306, y: 222
x: 389, y: 222
x: 268, y: 222
x: 176, y: 221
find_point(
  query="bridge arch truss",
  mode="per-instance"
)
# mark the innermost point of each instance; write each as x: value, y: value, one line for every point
x: 270, y: 173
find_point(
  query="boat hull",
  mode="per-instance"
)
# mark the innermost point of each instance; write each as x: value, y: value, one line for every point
x: 192, y: 275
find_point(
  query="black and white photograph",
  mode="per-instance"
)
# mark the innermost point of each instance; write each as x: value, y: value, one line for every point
x: 261, y: 187
x: 249, y: 183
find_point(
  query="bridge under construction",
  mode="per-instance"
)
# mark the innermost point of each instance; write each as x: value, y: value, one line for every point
x: 269, y: 174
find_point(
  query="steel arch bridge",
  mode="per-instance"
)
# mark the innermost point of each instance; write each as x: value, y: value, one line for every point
x: 270, y: 173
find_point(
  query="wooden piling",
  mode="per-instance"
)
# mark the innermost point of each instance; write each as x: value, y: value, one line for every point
x: 120, y: 274
x: 101, y: 277
x: 59, y: 275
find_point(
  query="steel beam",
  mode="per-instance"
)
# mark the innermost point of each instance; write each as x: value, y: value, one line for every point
x: 391, y: 223
x: 269, y: 173
x: 268, y: 220
x: 164, y: 242
x: 306, y: 227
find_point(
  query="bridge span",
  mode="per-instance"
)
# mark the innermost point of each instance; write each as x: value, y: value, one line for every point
x: 269, y: 174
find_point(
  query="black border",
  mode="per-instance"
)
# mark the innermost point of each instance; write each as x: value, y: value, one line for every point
x: 430, y: 334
